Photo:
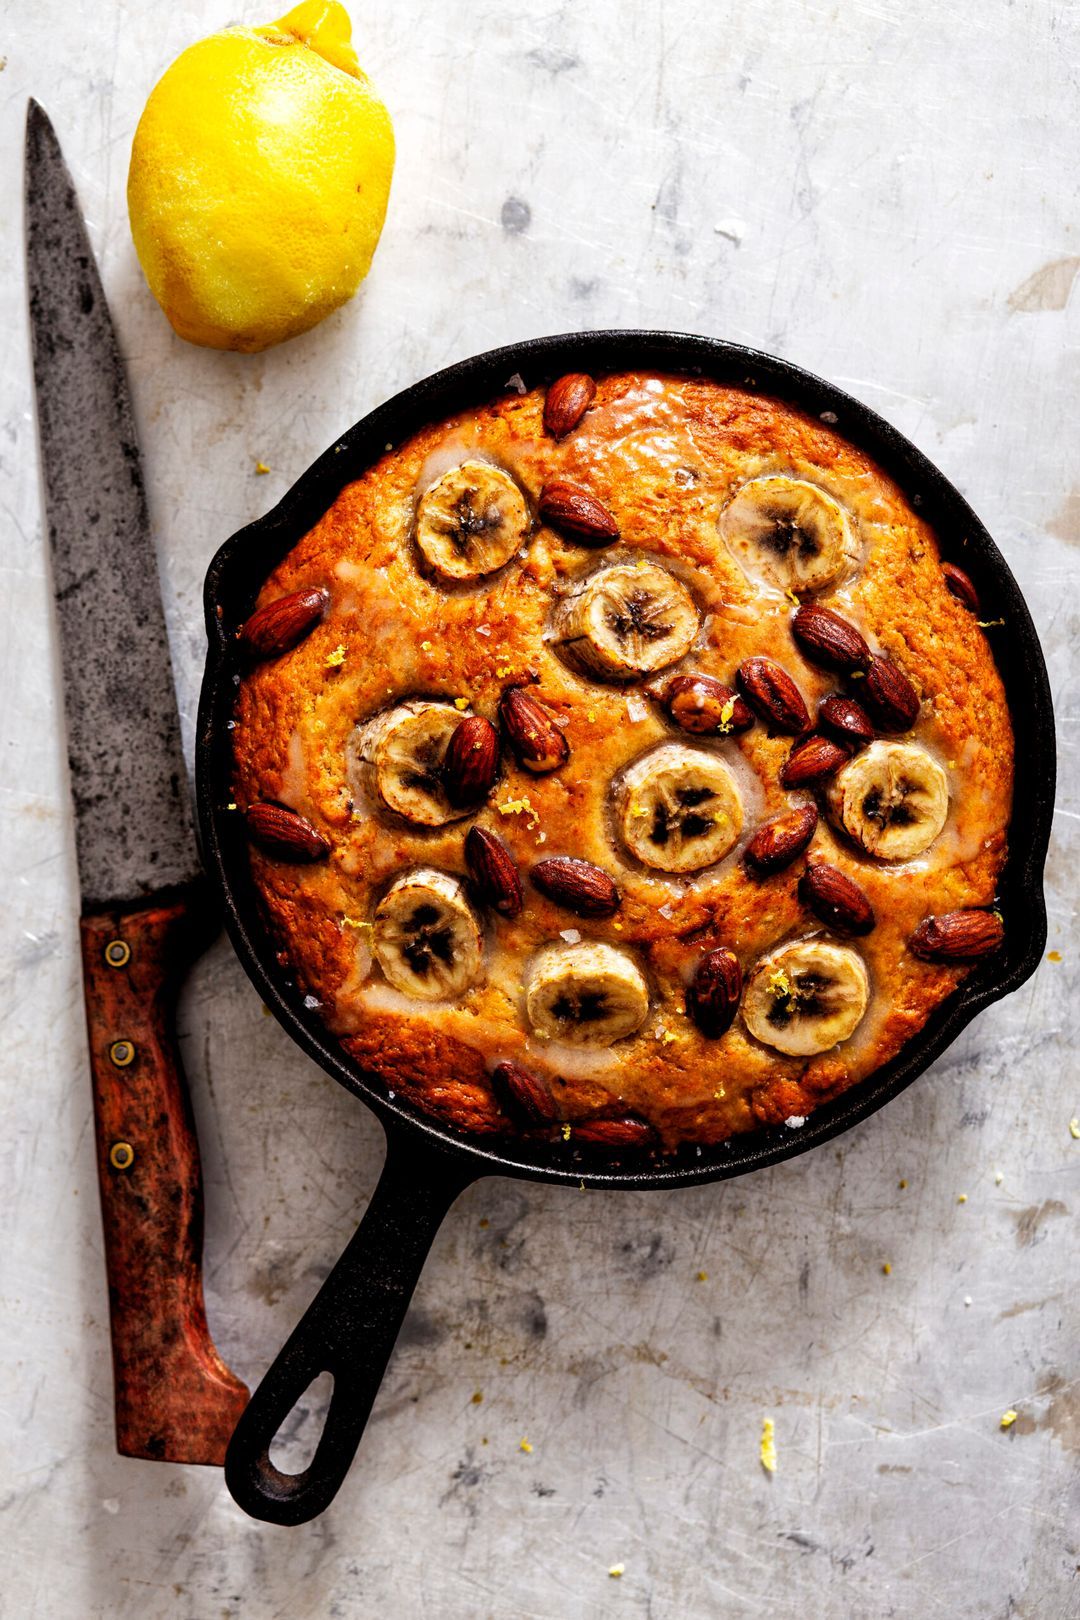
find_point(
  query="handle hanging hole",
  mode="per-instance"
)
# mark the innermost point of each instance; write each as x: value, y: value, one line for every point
x: 297, y: 1438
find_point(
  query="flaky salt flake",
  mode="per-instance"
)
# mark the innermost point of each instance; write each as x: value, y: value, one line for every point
x: 311, y: 1002
x: 517, y: 383
x: 793, y: 1121
x: 636, y: 707
x: 483, y: 629
x: 572, y: 936
x: 666, y: 910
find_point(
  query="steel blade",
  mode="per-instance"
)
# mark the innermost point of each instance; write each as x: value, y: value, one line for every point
x: 133, y: 824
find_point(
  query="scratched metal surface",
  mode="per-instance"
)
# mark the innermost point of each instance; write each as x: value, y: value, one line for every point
x: 885, y: 193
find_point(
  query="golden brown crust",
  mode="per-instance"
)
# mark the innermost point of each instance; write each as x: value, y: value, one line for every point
x: 663, y: 455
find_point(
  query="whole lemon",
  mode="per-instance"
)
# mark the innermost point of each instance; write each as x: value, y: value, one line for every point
x: 259, y: 177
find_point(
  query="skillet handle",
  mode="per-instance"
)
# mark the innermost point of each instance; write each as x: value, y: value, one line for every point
x: 348, y: 1330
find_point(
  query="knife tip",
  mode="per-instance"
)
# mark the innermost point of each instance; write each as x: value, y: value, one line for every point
x: 36, y: 116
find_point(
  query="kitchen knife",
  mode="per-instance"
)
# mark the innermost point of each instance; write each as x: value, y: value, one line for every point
x: 145, y: 912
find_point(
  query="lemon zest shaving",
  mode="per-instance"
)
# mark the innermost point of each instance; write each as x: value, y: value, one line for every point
x: 335, y: 659
x: 517, y: 807
x: 767, y: 1451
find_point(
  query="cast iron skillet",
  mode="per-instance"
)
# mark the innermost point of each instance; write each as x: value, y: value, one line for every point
x: 350, y: 1328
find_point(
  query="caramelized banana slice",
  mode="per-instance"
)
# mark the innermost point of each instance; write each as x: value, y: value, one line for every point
x: 892, y: 799
x: 587, y: 995
x: 790, y: 532
x: 679, y: 809
x: 398, y: 756
x: 426, y: 937
x: 627, y: 621
x: 806, y: 998
x: 471, y: 521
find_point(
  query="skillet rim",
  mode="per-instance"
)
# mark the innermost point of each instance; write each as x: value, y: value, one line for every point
x: 242, y: 563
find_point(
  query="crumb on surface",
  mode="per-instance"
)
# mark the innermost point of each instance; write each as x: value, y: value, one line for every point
x: 524, y: 1445
x: 1053, y: 956
x: 961, y: 1198
x: 702, y: 1276
x: 260, y: 468
x: 1008, y: 1419
x: 1074, y: 1128
x: 616, y: 1570
x: 887, y: 1268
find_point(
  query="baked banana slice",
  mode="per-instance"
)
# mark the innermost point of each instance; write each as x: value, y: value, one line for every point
x: 426, y: 936
x: 679, y: 809
x: 806, y: 998
x: 587, y: 995
x: 627, y: 620
x: 471, y: 521
x: 790, y: 532
x: 892, y: 800
x: 398, y: 758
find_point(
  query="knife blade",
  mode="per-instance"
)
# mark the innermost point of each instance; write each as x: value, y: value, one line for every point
x: 145, y: 911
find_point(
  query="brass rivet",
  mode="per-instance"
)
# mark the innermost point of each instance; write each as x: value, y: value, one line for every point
x: 122, y: 1053
x: 118, y: 953
x: 121, y: 1155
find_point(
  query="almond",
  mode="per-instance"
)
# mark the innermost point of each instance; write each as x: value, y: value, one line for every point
x: 776, y: 844
x: 827, y: 638
x: 702, y: 704
x: 958, y: 936
x: 890, y: 696
x: 283, y: 833
x: 831, y: 895
x: 628, y: 1133
x: 961, y: 586
x: 811, y: 760
x: 578, y: 885
x: 845, y: 718
x: 771, y: 693
x: 493, y: 871
x: 523, y: 1094
x: 471, y: 761
x: 533, y: 735
x: 567, y: 401
x: 575, y: 513
x: 273, y: 629
x: 712, y: 999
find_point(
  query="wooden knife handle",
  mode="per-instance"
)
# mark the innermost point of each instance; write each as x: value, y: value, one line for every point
x: 175, y: 1399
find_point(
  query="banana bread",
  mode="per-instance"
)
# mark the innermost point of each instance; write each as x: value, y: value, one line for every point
x: 623, y: 764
